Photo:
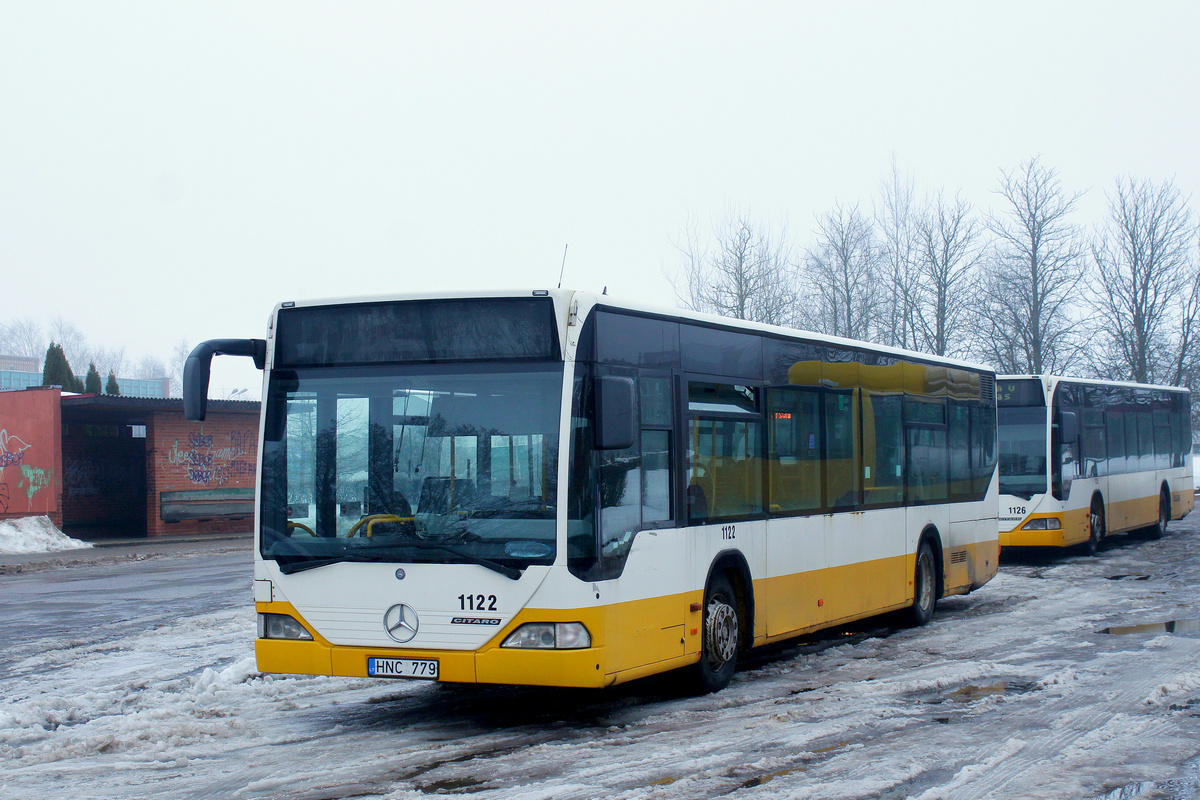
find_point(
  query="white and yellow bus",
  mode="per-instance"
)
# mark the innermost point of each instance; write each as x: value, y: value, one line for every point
x: 1081, y: 459
x: 555, y: 488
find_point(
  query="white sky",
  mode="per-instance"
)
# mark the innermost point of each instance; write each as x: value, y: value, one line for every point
x: 172, y: 170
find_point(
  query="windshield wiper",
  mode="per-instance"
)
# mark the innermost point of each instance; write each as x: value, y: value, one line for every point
x: 301, y: 564
x: 508, y: 572
x: 289, y: 567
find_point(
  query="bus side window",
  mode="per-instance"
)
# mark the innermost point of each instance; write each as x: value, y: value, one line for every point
x: 794, y: 453
x: 1145, y: 427
x: 842, y: 470
x: 657, y: 404
x: 1114, y: 425
x: 1094, y: 453
x: 925, y: 435
x: 983, y: 449
x: 1162, y: 439
x: 725, y: 469
x: 619, y: 474
x: 883, y: 447
x: 1132, y: 449
x: 959, y: 441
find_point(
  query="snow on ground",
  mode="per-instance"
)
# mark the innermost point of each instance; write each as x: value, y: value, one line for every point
x: 1013, y: 691
x: 35, y: 535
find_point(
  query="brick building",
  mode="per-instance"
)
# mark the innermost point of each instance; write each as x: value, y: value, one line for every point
x: 100, y: 465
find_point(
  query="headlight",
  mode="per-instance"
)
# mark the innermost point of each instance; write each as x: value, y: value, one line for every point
x: 550, y: 636
x: 1044, y: 524
x: 281, y: 626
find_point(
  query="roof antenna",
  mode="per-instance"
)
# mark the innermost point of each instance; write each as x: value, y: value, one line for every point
x: 605, y: 290
x: 564, y: 266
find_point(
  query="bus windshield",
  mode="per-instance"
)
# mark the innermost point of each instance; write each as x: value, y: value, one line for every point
x: 453, y: 464
x: 1022, y: 450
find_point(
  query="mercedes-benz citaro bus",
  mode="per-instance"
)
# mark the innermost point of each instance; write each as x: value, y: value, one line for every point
x: 557, y: 488
x: 1080, y: 459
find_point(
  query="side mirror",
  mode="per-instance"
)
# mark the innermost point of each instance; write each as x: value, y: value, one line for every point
x: 615, y: 428
x: 1068, y: 427
x: 196, y: 370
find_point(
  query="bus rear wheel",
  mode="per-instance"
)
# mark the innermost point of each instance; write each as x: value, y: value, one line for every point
x: 1156, y: 530
x: 720, y: 637
x: 924, y: 587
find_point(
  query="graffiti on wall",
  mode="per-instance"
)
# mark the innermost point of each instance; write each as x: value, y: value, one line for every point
x: 209, y: 461
x: 12, y: 453
x: 33, y: 479
x: 12, y: 450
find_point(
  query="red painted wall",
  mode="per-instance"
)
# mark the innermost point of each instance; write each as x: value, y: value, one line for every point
x: 194, y: 457
x: 31, y: 454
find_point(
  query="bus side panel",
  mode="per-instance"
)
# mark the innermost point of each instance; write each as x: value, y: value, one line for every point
x: 648, y: 616
x: 920, y: 519
x: 791, y: 596
x: 857, y: 587
x: 971, y: 557
x: 1183, y: 496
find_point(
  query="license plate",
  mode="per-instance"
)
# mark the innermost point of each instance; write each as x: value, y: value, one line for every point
x: 402, y: 668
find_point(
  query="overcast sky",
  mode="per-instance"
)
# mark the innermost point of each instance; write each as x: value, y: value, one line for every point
x: 172, y: 170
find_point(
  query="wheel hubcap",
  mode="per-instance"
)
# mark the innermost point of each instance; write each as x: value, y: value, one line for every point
x: 721, y: 630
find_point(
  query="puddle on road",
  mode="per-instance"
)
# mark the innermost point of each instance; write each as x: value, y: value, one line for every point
x: 1185, y: 786
x: 970, y: 692
x: 453, y: 786
x: 1130, y: 791
x: 761, y: 779
x: 1171, y: 626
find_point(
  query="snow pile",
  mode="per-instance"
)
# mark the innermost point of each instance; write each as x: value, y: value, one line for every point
x: 35, y: 535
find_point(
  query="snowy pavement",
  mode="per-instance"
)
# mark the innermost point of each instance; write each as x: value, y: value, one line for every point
x: 1012, y: 692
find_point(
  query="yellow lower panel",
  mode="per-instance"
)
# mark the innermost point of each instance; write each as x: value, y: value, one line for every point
x: 304, y: 658
x: 650, y: 631
x: 1074, y: 530
x: 652, y: 636
x: 1182, y: 504
x: 579, y: 668
x: 1131, y: 514
x: 979, y: 567
x: 861, y: 589
x: 790, y: 605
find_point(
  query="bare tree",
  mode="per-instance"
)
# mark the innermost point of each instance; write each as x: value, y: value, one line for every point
x: 896, y: 220
x: 1025, y: 321
x: 73, y: 343
x: 179, y: 356
x: 843, y: 275
x: 23, y: 337
x: 109, y: 360
x: 948, y: 255
x: 742, y: 269
x: 1145, y: 284
x: 149, y: 368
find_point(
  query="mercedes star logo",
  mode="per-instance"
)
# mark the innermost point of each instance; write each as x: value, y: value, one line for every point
x: 401, y: 623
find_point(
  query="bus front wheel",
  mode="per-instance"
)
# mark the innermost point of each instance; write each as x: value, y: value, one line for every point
x: 1096, y: 529
x: 720, y: 640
